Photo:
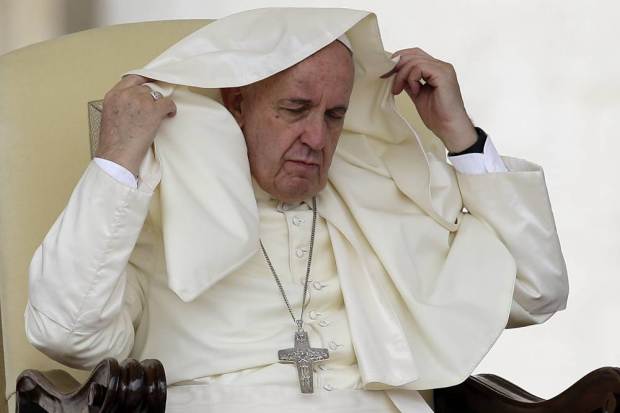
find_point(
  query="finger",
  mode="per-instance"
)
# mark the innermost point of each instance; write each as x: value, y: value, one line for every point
x: 130, y: 81
x: 404, y: 59
x: 416, y: 73
x: 413, y: 89
x: 153, y: 95
x: 166, y: 107
x: 412, y: 51
x: 408, y: 73
x: 429, y: 71
x: 147, y: 90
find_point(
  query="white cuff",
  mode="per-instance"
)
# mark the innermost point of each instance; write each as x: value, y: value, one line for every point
x: 118, y: 172
x: 479, y: 163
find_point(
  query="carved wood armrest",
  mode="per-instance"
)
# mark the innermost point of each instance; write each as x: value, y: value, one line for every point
x: 131, y: 386
x: 141, y: 387
x: 599, y: 391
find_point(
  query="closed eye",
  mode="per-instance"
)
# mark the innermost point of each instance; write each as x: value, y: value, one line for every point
x: 295, y: 110
x: 337, y: 114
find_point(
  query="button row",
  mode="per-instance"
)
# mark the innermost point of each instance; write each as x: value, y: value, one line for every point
x: 317, y: 285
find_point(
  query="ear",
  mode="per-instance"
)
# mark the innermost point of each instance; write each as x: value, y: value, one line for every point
x: 233, y: 99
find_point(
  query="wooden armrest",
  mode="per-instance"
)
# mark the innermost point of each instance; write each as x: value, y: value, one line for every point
x: 111, y: 387
x: 141, y: 387
x: 599, y: 391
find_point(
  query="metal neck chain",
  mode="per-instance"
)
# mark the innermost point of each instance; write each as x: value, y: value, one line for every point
x: 299, y: 322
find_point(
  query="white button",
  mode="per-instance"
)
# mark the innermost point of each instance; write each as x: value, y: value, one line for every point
x: 322, y: 367
x: 314, y: 314
x: 297, y: 220
x: 318, y: 285
x: 324, y: 323
x: 300, y: 252
x: 302, y: 281
x: 328, y: 387
x: 333, y: 345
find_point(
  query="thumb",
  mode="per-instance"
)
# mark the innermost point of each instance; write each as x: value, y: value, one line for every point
x: 167, y: 107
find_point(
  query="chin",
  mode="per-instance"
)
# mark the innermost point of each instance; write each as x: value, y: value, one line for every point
x: 298, y: 189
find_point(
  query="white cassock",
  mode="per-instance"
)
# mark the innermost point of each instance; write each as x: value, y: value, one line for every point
x: 408, y: 291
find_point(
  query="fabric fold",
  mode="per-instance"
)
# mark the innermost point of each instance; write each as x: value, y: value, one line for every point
x: 204, y: 141
x: 415, y: 323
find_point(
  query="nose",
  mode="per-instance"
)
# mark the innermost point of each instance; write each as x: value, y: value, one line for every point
x: 314, y: 133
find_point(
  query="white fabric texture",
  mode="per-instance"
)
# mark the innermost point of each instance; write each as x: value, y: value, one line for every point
x: 426, y: 287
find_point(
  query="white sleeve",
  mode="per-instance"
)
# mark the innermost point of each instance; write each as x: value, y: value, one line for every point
x: 118, y: 172
x: 479, y: 163
x: 84, y: 296
x: 516, y: 205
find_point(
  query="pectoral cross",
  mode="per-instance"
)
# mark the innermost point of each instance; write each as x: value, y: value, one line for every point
x: 303, y: 356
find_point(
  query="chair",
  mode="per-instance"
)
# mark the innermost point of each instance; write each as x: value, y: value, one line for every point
x: 44, y: 149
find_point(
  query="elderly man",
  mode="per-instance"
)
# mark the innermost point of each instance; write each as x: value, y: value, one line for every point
x: 333, y: 256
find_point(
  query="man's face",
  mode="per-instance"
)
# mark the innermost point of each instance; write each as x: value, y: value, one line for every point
x: 292, y: 122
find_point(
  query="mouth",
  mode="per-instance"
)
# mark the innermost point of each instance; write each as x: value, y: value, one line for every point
x: 303, y: 165
x: 304, y: 162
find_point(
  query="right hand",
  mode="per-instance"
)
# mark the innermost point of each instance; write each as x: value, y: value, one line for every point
x: 130, y: 121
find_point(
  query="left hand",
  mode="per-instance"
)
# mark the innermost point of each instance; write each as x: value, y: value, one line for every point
x: 435, y: 92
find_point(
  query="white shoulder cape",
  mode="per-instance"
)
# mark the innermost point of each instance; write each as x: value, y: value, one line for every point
x: 388, y: 203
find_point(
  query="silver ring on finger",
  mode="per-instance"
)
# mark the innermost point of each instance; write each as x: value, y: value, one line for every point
x: 156, y: 95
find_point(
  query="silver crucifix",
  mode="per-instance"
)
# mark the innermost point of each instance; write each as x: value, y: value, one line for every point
x: 303, y: 356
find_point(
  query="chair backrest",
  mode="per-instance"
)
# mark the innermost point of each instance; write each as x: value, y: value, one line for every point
x: 44, y: 148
